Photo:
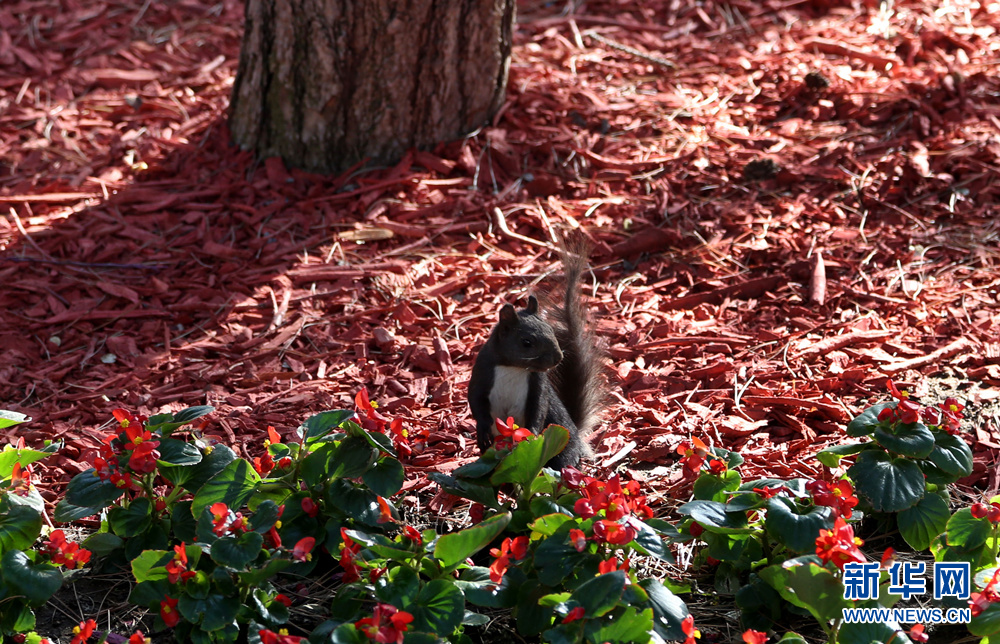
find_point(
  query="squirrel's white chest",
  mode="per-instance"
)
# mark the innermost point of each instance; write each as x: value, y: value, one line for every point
x: 509, y: 395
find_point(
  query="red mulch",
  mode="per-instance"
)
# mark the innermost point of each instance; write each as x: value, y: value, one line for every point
x: 780, y: 223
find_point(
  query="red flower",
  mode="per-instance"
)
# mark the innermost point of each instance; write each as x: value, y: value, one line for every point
x: 143, y: 459
x: 168, y: 612
x: 476, y: 512
x: 263, y: 464
x: 368, y: 418
x: 303, y: 549
x: 281, y: 637
x: 127, y: 419
x: 917, y: 633
x: 611, y: 565
x: 754, y: 637
x: 839, y: 496
x: 83, y: 632
x: 384, y: 511
x: 614, y: 533
x: 839, y: 545
x: 20, y: 479
x: 284, y: 463
x: 896, y: 393
x: 993, y: 513
x: 887, y: 558
x: 225, y: 520
x: 413, y: 535
x: 690, y: 632
x: 951, y: 411
x: 387, y: 625
x: 136, y: 435
x: 66, y: 553
x: 768, y: 492
x: 979, y: 510
x: 715, y: 466
x: 347, y: 553
x: 694, y: 452
x: 573, y: 478
x: 138, y: 638
x: 510, y: 433
x: 518, y: 548
x: 578, y: 539
x: 177, y: 568
x: 309, y: 506
x: 907, y: 411
x: 573, y: 615
x: 272, y: 436
x: 283, y: 600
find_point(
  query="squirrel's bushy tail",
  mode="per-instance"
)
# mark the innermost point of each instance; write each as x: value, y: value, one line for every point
x: 579, y: 377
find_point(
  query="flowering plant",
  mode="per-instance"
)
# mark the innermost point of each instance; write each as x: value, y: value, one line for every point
x: 27, y: 580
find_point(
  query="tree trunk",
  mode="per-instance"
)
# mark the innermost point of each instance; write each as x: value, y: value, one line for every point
x: 325, y: 84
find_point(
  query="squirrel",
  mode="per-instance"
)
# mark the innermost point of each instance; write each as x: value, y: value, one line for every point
x: 541, y: 373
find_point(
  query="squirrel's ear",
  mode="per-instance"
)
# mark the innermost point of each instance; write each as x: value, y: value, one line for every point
x: 532, y: 305
x: 508, y: 316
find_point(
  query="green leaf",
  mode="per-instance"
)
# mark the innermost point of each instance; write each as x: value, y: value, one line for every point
x: 233, y: 486
x: 631, y: 626
x: 11, y: 418
x: 913, y: 440
x: 399, y: 586
x: 212, y: 613
x: 867, y: 421
x: 714, y: 487
x: 237, y: 552
x: 831, y: 455
x: 359, y: 503
x: 951, y: 454
x: 149, y: 593
x: 547, y: 525
x: 132, y: 520
x: 792, y: 638
x: 386, y: 477
x: 177, y: 452
x: 20, y: 525
x: 187, y: 415
x: 475, y: 492
x: 868, y: 632
x: 264, y: 517
x: 192, y: 477
x: 102, y: 543
x: 713, y: 516
x: 36, y: 582
x: 795, y: 527
x: 67, y: 512
x: 167, y: 423
x: 987, y: 623
x: 455, y: 548
x: 10, y: 455
x: 87, y: 490
x: 889, y: 484
x: 150, y: 565
x: 966, y: 531
x: 649, y: 542
x: 348, y: 459
x: 600, y: 595
x: 669, y: 610
x: 555, y: 559
x: 528, y: 457
x: 808, y: 586
x: 921, y: 523
x: 258, y: 575
x: 318, y: 426
x: 438, y: 608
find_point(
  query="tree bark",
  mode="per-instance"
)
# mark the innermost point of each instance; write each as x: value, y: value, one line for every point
x: 325, y: 84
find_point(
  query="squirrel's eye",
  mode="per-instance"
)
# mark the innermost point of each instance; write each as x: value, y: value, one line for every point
x: 526, y: 342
